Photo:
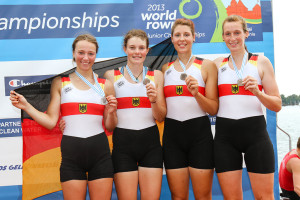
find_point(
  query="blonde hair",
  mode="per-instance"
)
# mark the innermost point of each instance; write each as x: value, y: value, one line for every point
x: 235, y: 18
x: 183, y: 21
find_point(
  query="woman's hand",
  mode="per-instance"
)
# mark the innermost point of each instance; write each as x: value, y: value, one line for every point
x: 151, y: 92
x: 192, y: 85
x: 112, y: 104
x: 18, y: 100
x: 250, y: 84
x: 62, y: 125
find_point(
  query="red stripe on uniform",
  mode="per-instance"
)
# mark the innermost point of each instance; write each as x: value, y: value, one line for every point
x: 226, y: 89
x: 85, y: 108
x: 198, y: 61
x: 172, y: 91
x: 133, y: 102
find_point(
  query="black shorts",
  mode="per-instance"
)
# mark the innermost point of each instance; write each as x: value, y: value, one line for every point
x: 133, y: 148
x: 85, y: 158
x: 290, y: 194
x: 249, y: 136
x: 188, y: 143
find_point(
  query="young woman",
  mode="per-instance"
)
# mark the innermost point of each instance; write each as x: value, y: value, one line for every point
x: 240, y: 125
x: 190, y: 88
x: 84, y: 145
x: 137, y: 152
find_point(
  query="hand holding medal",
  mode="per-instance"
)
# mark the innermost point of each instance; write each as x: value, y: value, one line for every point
x: 251, y: 84
x: 192, y: 85
x: 151, y: 93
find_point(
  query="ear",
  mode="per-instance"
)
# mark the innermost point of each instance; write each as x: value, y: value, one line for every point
x: 73, y: 56
x: 124, y: 49
x: 194, y: 39
x: 247, y: 34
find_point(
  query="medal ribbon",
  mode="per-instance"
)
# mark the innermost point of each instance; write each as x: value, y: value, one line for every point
x: 131, y: 75
x: 182, y: 65
x: 240, y: 73
x: 97, y: 89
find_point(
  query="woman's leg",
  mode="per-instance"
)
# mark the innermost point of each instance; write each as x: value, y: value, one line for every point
x: 202, y: 180
x: 100, y: 188
x: 126, y: 185
x: 231, y: 184
x: 262, y: 185
x: 74, y: 189
x: 150, y: 183
x: 178, y: 180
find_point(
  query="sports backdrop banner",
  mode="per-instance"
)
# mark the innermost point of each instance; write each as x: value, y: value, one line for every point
x: 36, y: 39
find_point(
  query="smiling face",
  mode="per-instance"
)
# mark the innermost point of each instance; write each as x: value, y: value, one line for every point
x: 84, y: 55
x: 234, y: 36
x: 183, y: 39
x: 136, y: 50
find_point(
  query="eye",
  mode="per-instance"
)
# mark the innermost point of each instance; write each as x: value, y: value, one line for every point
x: 91, y: 54
x: 80, y: 52
x: 186, y: 34
x: 142, y: 48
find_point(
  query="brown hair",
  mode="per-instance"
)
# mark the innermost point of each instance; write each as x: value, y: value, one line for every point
x: 298, y: 143
x: 87, y: 37
x: 183, y: 21
x: 135, y: 33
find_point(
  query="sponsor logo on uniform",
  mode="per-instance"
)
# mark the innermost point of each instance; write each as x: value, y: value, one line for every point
x: 82, y: 107
x: 135, y: 101
x: 120, y: 84
x: 179, y: 89
x: 223, y: 69
x: 234, y: 89
x: 68, y: 89
x: 168, y: 72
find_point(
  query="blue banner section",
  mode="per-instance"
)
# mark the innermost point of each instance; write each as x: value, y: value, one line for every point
x: 10, y: 127
x: 11, y: 192
x: 14, y: 82
x: 45, y: 2
x: 64, y: 21
x: 267, y: 17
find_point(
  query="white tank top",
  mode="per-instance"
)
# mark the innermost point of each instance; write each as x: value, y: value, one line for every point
x: 81, y: 109
x: 181, y: 105
x: 134, y: 108
x: 234, y: 101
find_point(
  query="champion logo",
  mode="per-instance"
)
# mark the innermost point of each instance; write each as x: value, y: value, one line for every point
x: 14, y: 83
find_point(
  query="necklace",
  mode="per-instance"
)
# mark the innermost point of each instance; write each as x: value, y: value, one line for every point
x: 138, y: 75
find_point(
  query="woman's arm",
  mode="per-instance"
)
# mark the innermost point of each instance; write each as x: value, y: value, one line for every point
x: 50, y: 117
x: 270, y: 98
x: 110, y: 113
x: 156, y: 96
x: 210, y: 102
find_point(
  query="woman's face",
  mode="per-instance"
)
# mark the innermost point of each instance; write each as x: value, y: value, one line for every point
x: 234, y: 36
x: 136, y: 50
x: 84, y: 54
x: 183, y: 39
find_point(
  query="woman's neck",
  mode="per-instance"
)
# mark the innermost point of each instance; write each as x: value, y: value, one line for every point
x: 185, y: 58
x: 86, y: 74
x: 135, y: 68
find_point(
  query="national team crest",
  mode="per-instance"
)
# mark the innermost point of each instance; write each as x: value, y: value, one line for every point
x: 82, y: 107
x: 234, y: 89
x: 179, y: 89
x: 135, y: 101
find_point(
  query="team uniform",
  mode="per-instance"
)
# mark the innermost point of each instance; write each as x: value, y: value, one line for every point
x: 84, y: 145
x: 286, y: 178
x: 240, y: 124
x: 187, y: 139
x: 136, y: 138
